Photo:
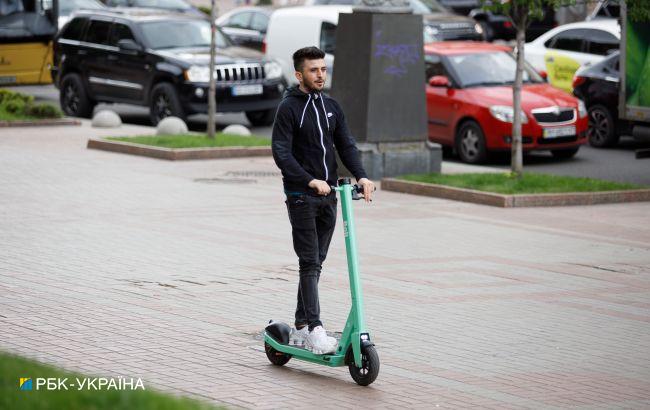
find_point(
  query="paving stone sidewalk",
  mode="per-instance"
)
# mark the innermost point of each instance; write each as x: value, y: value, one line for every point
x: 119, y: 265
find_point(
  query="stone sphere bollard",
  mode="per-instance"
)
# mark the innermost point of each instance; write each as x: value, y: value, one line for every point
x: 171, y: 126
x: 106, y: 119
x: 237, y: 129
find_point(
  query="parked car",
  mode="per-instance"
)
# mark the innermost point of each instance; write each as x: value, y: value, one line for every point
x: 470, y: 108
x: 499, y: 27
x: 561, y: 51
x: 67, y: 7
x: 178, y: 6
x: 247, y: 26
x: 462, y: 7
x: 439, y: 22
x: 159, y: 60
x: 317, y: 27
x: 598, y: 86
x: 606, y: 9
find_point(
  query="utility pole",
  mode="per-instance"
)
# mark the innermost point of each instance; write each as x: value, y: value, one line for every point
x: 212, y: 101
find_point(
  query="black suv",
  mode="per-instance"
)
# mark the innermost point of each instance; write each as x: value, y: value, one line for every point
x: 159, y: 60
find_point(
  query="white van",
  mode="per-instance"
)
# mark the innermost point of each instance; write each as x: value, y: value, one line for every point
x: 296, y: 27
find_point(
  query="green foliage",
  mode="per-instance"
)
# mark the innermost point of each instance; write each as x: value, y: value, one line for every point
x: 205, y: 9
x: 14, y: 106
x: 17, y: 106
x: 528, y: 183
x: 264, y: 2
x: 12, y: 368
x: 638, y: 10
x: 197, y: 141
x: 44, y: 111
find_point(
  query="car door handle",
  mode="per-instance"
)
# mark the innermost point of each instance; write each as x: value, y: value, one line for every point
x: 82, y: 52
x: 549, y: 59
x: 112, y: 57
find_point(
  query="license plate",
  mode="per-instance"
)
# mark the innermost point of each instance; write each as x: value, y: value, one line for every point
x: 559, y: 131
x: 7, y: 80
x: 252, y: 89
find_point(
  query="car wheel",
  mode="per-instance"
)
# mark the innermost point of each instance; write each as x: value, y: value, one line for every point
x: 260, y: 118
x: 164, y: 103
x: 470, y: 143
x: 73, y: 97
x: 602, y: 127
x: 565, y: 153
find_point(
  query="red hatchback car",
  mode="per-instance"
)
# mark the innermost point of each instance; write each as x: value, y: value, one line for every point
x: 469, y: 103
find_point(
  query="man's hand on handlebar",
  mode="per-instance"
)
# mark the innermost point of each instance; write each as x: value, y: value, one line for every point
x: 321, y: 187
x: 368, y: 188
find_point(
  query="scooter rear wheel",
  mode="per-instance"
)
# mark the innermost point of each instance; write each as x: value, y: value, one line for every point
x: 275, y: 357
x: 369, y: 369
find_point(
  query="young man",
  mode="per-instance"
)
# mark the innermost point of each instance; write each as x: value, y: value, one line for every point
x: 308, y: 127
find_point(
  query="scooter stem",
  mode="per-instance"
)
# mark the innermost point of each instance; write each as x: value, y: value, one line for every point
x: 356, y: 292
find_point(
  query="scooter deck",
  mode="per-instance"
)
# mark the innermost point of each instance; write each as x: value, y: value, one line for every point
x: 304, y: 354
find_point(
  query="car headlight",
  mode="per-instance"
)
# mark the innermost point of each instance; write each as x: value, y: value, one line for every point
x: 506, y: 114
x: 582, y: 109
x: 431, y: 34
x: 272, y: 70
x: 198, y: 74
x: 478, y: 28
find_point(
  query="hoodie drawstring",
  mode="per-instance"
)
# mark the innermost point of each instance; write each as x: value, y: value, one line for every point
x: 303, y: 110
x: 324, y: 110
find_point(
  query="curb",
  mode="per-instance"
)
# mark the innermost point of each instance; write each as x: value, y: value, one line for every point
x: 514, y: 201
x: 175, y: 154
x: 39, y: 123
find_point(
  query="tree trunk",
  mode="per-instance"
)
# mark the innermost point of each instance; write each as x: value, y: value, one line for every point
x: 212, y: 101
x: 516, y: 163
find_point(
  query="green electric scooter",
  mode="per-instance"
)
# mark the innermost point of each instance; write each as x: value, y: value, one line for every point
x: 354, y: 348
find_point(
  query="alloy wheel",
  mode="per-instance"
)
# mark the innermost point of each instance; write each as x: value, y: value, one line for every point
x: 599, y: 127
x: 162, y: 106
x: 71, y: 98
x: 469, y: 143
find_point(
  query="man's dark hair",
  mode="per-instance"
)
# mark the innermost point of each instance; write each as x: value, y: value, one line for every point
x: 306, y: 53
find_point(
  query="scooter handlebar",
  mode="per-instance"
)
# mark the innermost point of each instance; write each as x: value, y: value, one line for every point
x: 357, y: 191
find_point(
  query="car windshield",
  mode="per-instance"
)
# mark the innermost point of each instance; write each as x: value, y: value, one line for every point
x: 418, y: 6
x: 180, y: 34
x: 66, y: 7
x: 162, y: 4
x: 432, y: 6
x: 483, y: 69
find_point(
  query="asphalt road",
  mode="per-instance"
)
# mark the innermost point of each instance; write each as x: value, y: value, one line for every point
x: 615, y: 164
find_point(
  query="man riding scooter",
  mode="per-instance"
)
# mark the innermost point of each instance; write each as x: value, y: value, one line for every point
x: 308, y: 127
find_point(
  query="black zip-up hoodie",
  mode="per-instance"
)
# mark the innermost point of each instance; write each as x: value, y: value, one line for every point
x: 306, y: 130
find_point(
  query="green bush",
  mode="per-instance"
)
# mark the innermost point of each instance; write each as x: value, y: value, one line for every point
x: 5, y: 94
x: 44, y: 111
x: 21, y: 105
x: 205, y: 9
x: 14, y: 106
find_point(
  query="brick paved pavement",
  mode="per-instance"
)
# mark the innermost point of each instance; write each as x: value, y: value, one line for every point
x: 120, y: 265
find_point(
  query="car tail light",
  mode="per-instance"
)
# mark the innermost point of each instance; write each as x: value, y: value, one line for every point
x: 264, y: 46
x: 507, y: 24
x: 577, y: 80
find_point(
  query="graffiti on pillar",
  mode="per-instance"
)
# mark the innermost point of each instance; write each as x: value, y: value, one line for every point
x: 398, y: 57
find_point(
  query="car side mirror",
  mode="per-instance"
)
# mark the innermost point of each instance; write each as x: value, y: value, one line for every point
x: 439, y: 81
x: 127, y: 44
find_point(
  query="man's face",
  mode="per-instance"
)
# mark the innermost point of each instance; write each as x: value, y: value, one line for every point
x: 313, y: 74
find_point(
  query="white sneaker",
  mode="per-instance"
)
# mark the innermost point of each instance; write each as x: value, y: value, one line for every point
x: 319, y: 343
x: 298, y: 336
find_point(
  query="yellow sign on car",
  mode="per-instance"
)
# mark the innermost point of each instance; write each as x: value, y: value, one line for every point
x: 560, y: 70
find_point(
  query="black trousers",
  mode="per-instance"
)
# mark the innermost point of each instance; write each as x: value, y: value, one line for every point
x: 313, y: 219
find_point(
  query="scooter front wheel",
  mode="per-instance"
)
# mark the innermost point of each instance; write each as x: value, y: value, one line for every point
x: 369, y: 369
x: 275, y: 357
